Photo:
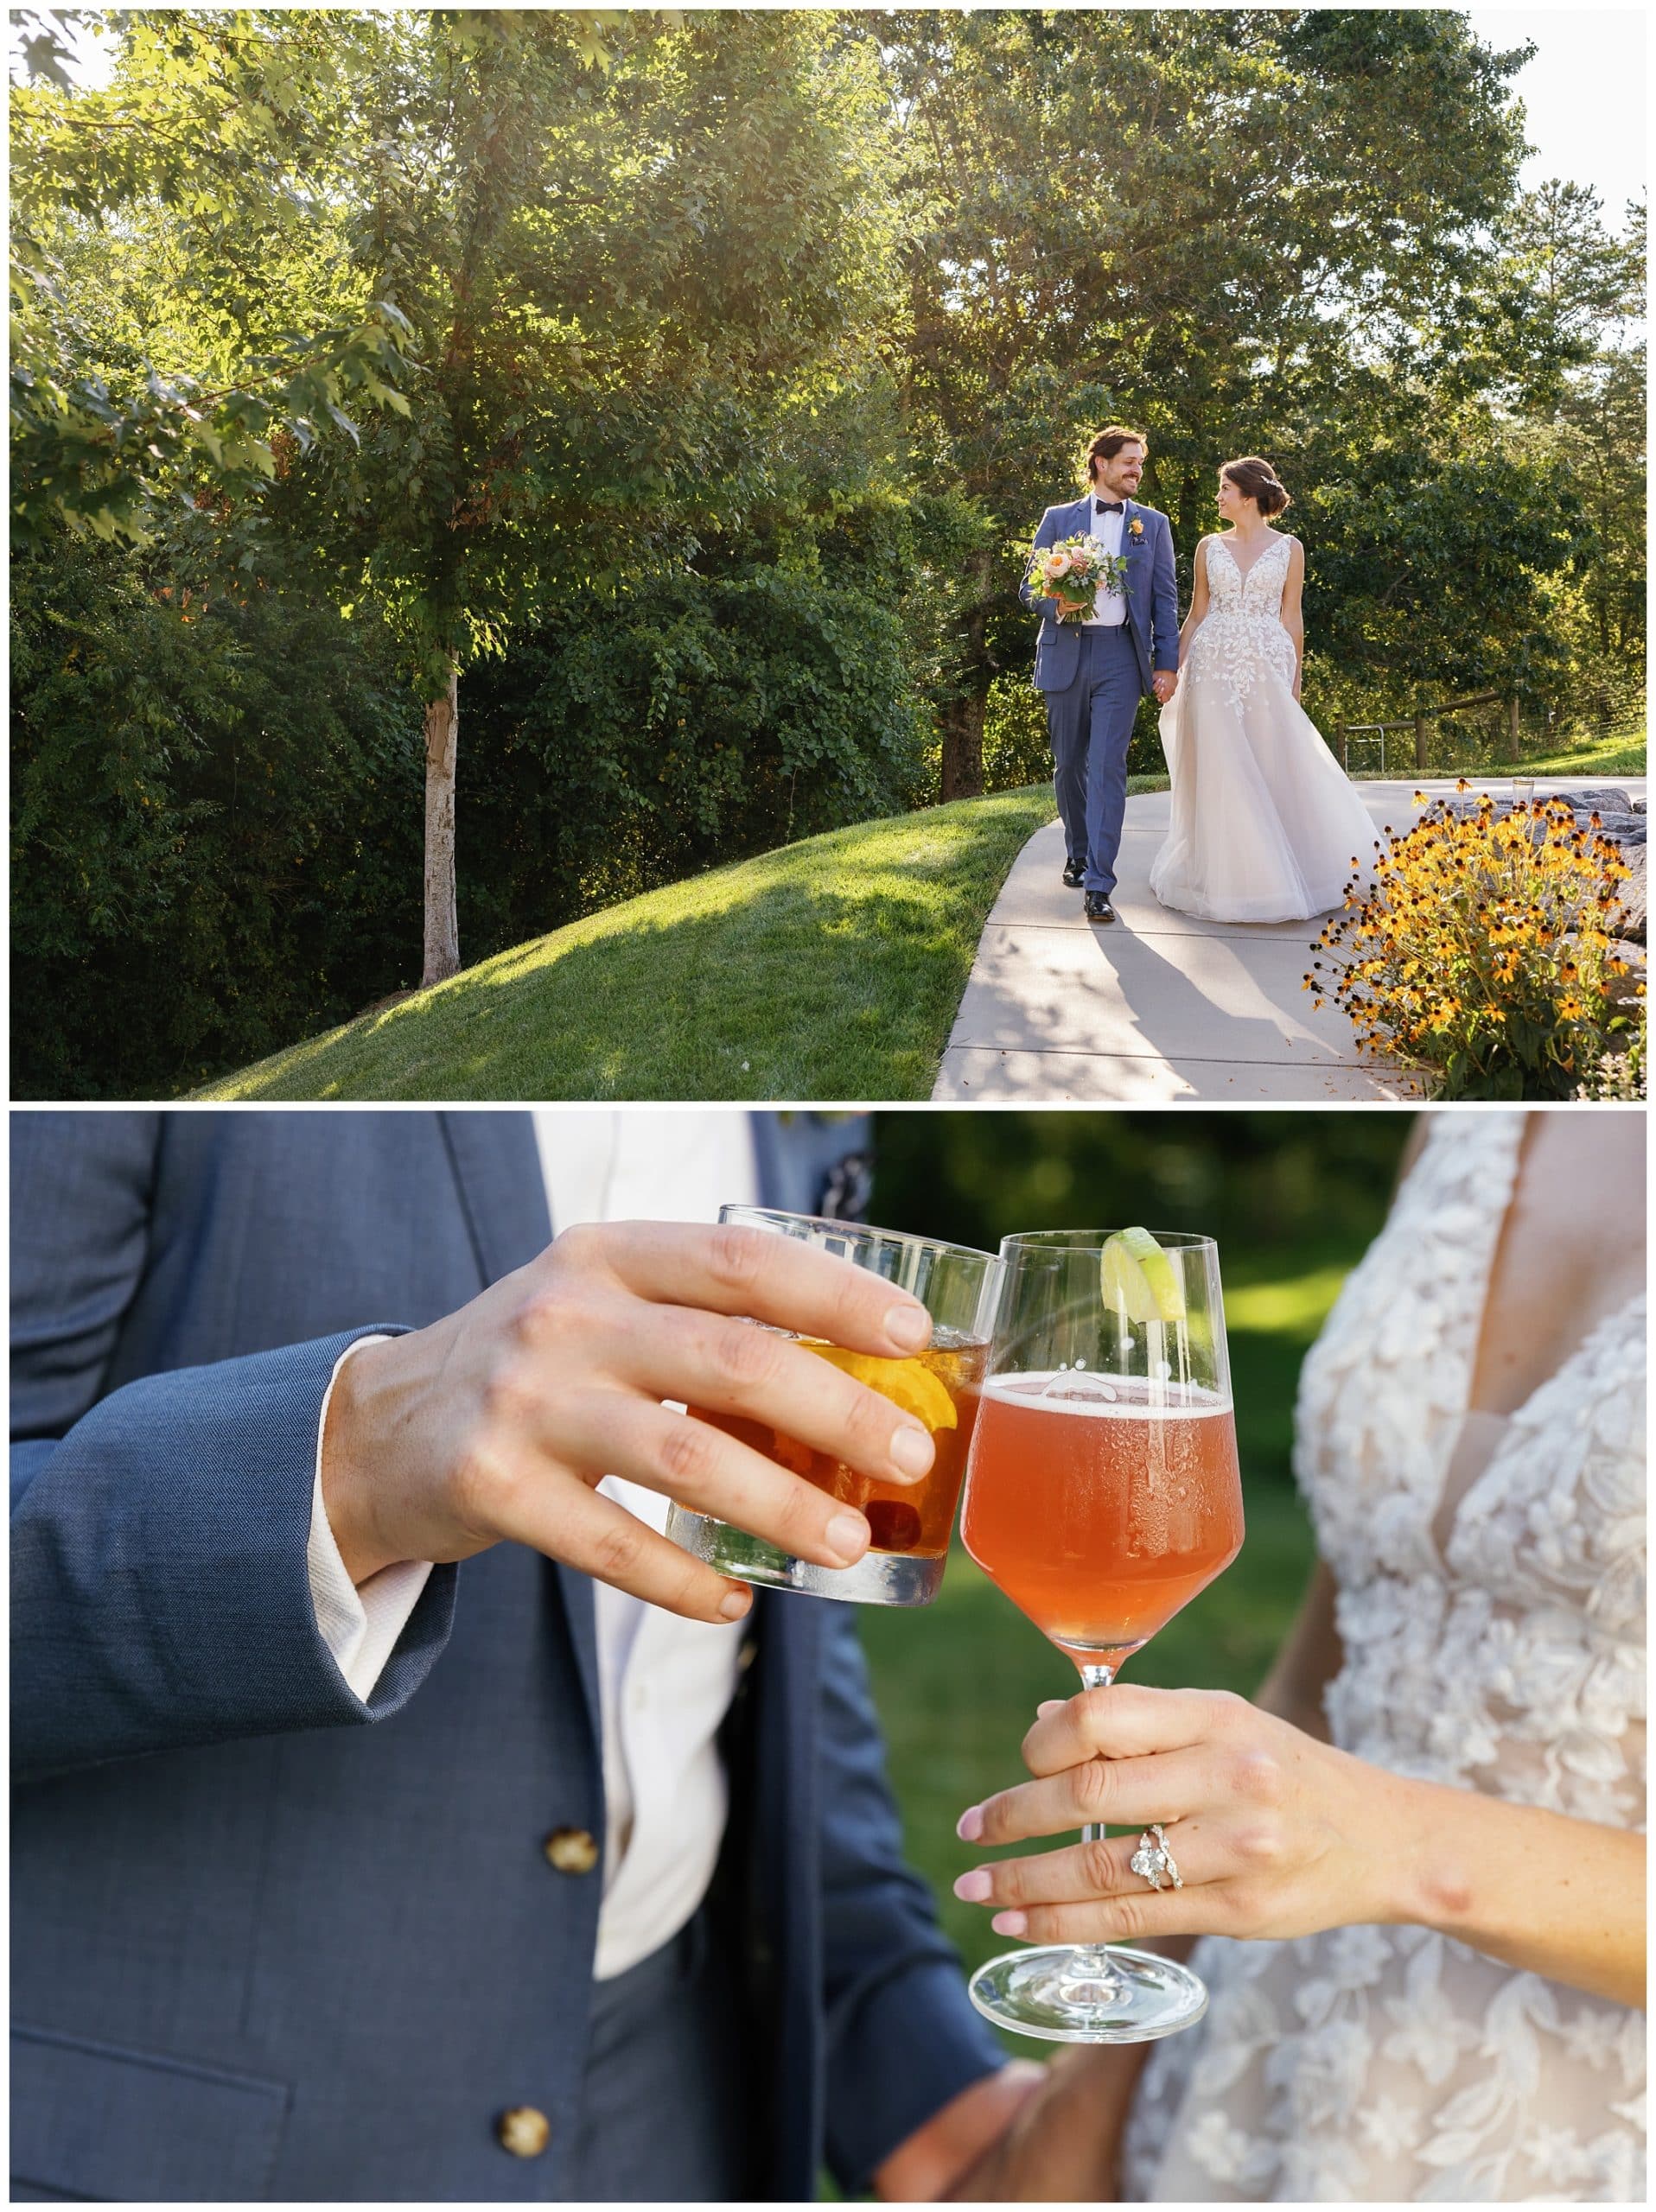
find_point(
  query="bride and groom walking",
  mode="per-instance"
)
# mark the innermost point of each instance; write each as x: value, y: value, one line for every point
x: 1265, y: 826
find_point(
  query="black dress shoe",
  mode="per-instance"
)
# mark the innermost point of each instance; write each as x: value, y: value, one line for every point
x: 1099, y: 908
x: 1073, y: 872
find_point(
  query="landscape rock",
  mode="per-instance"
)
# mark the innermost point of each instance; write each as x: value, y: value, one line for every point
x: 1595, y: 799
x: 1629, y: 917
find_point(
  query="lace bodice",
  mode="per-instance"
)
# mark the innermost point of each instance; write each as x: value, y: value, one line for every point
x: 1493, y: 1639
x: 1243, y: 627
x: 1257, y: 591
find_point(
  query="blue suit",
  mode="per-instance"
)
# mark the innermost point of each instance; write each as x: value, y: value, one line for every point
x: 1094, y: 678
x: 269, y: 1941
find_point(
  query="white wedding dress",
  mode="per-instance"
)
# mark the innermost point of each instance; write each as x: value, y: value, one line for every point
x: 1494, y: 1637
x: 1265, y: 825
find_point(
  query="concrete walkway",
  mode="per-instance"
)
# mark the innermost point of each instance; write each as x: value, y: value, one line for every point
x: 1160, y: 1006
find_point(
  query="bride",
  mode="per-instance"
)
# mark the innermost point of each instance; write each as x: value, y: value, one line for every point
x: 1265, y: 826
x: 1414, y: 1861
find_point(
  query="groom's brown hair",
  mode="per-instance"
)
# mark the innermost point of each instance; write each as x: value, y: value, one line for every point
x: 1109, y: 442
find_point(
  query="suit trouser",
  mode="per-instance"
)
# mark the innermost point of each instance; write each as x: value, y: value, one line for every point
x: 1091, y: 726
x: 664, y: 2113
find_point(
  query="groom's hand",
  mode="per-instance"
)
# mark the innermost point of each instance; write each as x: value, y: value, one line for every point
x: 1063, y: 2145
x: 936, y: 2159
x: 1164, y: 684
x: 499, y: 1421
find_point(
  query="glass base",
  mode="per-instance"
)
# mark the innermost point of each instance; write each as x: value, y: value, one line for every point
x: 877, y: 1579
x: 1065, y: 1992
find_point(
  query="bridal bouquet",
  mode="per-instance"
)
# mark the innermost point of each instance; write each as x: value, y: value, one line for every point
x: 1073, y: 571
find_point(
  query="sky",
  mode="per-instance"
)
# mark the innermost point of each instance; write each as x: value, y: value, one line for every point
x: 1584, y: 92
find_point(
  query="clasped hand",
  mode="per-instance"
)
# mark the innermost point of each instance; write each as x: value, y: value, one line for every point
x: 1274, y: 1833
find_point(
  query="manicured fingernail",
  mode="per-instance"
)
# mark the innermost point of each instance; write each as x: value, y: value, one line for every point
x: 1048, y: 1705
x: 734, y: 1606
x: 1010, y: 1923
x: 974, y: 1888
x: 909, y: 1325
x: 847, y: 1536
x: 912, y: 1451
x: 970, y: 1826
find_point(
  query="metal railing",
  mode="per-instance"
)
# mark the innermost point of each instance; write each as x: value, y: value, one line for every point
x: 1476, y: 745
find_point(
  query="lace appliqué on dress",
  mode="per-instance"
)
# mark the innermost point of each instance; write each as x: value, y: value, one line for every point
x: 1243, y: 624
x: 1391, y: 2064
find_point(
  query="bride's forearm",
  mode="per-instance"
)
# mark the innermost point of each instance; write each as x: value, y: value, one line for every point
x: 1560, y: 1898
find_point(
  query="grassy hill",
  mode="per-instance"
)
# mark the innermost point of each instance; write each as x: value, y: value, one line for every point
x: 1591, y: 761
x: 828, y: 969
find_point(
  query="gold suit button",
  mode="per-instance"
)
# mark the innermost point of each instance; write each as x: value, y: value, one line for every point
x: 572, y: 1851
x: 524, y: 2131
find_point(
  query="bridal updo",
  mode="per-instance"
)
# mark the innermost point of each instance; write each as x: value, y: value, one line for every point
x: 1257, y: 480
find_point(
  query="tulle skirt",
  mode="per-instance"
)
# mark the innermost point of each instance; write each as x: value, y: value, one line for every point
x: 1267, y: 827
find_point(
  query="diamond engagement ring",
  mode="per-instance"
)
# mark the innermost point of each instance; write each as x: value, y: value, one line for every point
x: 1152, y: 1859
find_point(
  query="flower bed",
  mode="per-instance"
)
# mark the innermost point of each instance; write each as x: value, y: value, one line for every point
x: 1484, y: 956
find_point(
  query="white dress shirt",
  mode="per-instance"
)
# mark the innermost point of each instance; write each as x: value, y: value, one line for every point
x: 1109, y: 607
x: 664, y: 1684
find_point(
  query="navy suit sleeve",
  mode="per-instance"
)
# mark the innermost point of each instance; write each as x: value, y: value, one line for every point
x: 1046, y: 534
x: 902, y: 2036
x: 159, y: 1589
x: 1164, y: 601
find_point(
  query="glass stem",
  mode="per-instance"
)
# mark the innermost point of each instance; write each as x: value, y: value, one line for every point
x: 1092, y: 1960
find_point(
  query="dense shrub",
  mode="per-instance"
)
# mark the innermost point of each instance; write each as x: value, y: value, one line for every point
x: 215, y: 825
x: 622, y: 747
x: 218, y: 806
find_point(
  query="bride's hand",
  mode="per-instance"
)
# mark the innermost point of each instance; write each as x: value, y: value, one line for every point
x: 1277, y: 1834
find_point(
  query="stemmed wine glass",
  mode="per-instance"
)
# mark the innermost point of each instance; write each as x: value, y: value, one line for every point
x: 1102, y: 1494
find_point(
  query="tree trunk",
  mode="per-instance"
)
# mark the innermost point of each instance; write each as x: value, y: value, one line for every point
x: 442, y: 922
x: 963, y: 749
x: 1513, y: 752
x: 962, y: 773
x: 1422, y: 726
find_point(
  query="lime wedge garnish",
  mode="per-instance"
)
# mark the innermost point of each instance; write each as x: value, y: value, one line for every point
x: 1137, y: 1276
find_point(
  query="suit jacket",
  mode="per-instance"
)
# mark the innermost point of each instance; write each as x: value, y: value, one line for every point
x: 267, y: 1941
x: 1152, y: 594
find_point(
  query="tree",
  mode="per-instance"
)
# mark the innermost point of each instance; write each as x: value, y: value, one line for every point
x: 1575, y: 290
x: 103, y: 432
x: 608, y: 284
x: 1202, y: 223
x: 1434, y: 572
x: 602, y: 268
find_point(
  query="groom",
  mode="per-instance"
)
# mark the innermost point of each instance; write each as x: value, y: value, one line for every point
x: 1094, y: 672
x: 414, y: 1882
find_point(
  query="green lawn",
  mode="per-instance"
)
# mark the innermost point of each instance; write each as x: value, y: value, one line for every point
x: 830, y: 969
x: 1610, y: 756
x: 958, y: 1684
x: 1607, y: 756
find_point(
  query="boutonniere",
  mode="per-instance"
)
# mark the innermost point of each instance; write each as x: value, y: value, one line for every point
x: 1135, y: 527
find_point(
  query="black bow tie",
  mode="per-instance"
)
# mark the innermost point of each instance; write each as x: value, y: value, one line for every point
x: 1106, y: 506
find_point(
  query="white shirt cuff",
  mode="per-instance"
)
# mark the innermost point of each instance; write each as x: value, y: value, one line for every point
x: 360, y: 1626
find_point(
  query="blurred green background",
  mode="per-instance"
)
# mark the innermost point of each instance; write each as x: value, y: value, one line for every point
x: 1293, y: 1199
